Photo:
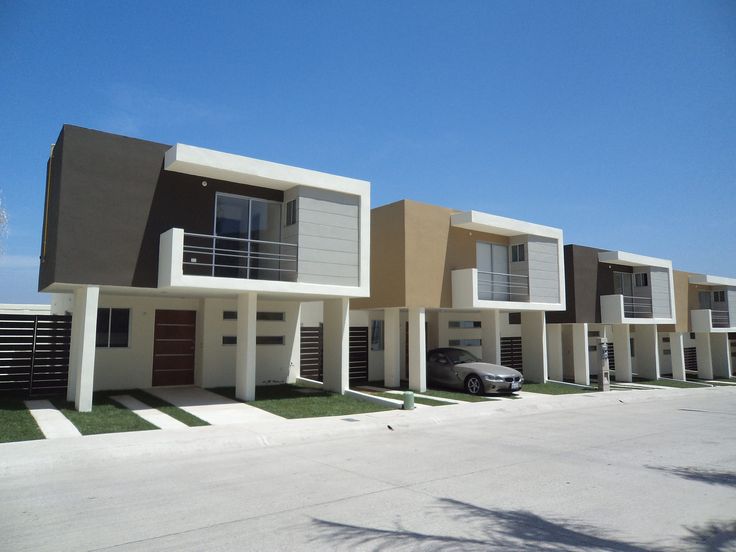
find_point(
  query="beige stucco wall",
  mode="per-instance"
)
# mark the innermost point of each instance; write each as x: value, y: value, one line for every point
x: 388, y: 281
x: 682, y: 300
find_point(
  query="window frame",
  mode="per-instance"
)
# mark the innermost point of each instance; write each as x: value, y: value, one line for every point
x: 108, y: 331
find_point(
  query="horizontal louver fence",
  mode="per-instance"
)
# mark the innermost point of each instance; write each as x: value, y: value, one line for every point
x: 34, y: 354
x: 511, y: 355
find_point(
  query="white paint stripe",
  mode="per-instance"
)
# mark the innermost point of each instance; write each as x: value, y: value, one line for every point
x: 53, y: 424
x: 151, y: 415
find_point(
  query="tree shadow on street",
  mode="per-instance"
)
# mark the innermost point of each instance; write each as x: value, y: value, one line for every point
x: 712, y: 477
x: 482, y: 529
x: 713, y: 537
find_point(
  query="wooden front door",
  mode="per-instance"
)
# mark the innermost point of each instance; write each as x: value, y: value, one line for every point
x: 173, y: 347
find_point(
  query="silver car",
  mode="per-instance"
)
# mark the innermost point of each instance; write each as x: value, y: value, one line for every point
x: 450, y: 367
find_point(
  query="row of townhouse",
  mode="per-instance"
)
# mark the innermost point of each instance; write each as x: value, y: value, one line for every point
x: 187, y: 266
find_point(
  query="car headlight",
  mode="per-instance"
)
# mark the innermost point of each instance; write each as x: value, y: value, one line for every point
x: 492, y: 378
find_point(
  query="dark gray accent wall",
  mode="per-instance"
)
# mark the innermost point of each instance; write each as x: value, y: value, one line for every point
x: 586, y: 279
x: 111, y: 200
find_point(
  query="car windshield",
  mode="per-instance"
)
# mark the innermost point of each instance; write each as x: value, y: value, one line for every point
x: 458, y: 356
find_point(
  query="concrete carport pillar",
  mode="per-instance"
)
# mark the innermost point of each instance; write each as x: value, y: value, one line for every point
x: 677, y: 355
x: 534, y: 346
x: 721, y: 353
x: 622, y: 352
x: 647, y: 351
x: 705, y: 359
x: 245, y: 361
x: 490, y: 336
x: 336, y: 363
x: 417, y: 350
x: 580, y: 356
x: 391, y: 347
x: 554, y: 352
x: 82, y: 349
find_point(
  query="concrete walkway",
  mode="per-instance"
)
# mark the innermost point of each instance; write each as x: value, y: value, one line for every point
x: 151, y: 415
x: 53, y: 424
x: 211, y: 407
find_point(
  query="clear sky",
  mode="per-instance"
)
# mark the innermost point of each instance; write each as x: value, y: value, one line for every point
x: 615, y: 121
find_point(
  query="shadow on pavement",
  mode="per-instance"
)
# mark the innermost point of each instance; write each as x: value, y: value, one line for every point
x: 712, y: 477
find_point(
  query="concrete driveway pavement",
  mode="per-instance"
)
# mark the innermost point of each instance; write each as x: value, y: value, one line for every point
x: 655, y: 471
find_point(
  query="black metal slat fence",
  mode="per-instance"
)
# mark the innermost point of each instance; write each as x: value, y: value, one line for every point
x: 34, y: 354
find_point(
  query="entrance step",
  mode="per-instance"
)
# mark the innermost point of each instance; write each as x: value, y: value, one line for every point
x: 52, y: 423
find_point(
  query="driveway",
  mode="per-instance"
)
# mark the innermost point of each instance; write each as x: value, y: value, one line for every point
x: 649, y: 472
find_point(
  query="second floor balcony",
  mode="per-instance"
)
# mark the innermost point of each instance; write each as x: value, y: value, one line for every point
x: 708, y: 320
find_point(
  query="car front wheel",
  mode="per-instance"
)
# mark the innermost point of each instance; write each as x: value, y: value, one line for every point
x: 473, y: 385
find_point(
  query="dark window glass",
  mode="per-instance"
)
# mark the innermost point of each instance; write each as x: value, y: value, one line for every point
x: 514, y: 318
x: 229, y: 340
x: 119, y: 324
x: 270, y: 340
x: 277, y: 316
x: 103, y: 327
x: 229, y: 315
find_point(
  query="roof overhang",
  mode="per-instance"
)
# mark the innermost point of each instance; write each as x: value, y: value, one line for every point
x: 631, y: 259
x: 502, y: 226
x: 208, y: 163
x: 710, y: 280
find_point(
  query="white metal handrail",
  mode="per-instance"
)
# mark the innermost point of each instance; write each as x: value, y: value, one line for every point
x: 501, y: 286
x: 251, y: 259
x: 637, y: 307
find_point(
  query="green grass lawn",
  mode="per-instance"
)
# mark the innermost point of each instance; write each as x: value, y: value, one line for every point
x: 167, y: 408
x: 670, y: 383
x: 417, y: 400
x: 555, y: 388
x: 440, y: 393
x: 292, y: 401
x: 16, y: 423
x: 107, y: 416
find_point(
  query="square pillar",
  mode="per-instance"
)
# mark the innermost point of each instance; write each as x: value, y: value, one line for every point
x: 622, y: 352
x: 392, y: 347
x: 534, y: 346
x: 580, y: 355
x: 554, y: 352
x: 417, y: 350
x: 647, y: 351
x: 721, y: 353
x: 490, y: 332
x: 294, y: 325
x: 677, y: 355
x: 705, y: 359
x: 82, y: 349
x: 245, y: 352
x: 336, y: 339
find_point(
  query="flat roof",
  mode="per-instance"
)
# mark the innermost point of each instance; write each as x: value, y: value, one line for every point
x: 209, y: 163
x: 632, y: 259
x: 494, y: 224
x: 710, y: 280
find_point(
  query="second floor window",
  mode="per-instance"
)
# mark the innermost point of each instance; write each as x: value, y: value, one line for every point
x: 641, y: 279
x: 518, y: 253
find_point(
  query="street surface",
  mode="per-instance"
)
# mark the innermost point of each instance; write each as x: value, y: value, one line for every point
x: 633, y: 470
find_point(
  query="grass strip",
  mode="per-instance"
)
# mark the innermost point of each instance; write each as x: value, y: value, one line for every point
x: 672, y: 383
x: 293, y: 401
x: 555, y: 388
x: 16, y: 422
x: 107, y: 416
x: 418, y: 400
x: 166, y: 407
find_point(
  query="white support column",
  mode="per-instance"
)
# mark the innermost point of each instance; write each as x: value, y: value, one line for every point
x: 677, y: 355
x: 622, y: 352
x: 534, y: 346
x: 82, y: 350
x: 580, y: 356
x: 336, y: 339
x: 721, y: 353
x: 490, y: 330
x: 417, y: 350
x: 294, y: 326
x: 392, y: 347
x: 554, y: 352
x: 245, y: 351
x: 704, y: 356
x: 647, y: 351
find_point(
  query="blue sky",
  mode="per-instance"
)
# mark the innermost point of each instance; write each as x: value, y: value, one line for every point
x: 615, y: 121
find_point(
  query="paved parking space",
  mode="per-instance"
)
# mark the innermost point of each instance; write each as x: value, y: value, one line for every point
x: 151, y: 415
x: 52, y: 423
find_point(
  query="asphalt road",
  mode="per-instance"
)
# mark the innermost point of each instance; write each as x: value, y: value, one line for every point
x: 655, y: 473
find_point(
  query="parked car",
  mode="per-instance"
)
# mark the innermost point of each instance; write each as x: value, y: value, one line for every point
x: 451, y: 367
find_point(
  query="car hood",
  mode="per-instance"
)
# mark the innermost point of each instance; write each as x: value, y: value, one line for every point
x: 487, y: 368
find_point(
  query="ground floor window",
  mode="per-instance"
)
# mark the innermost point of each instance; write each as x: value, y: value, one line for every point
x: 376, y: 335
x: 113, y: 327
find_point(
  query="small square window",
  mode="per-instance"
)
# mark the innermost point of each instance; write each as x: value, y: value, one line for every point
x: 641, y: 279
x: 515, y: 318
x: 518, y: 253
x: 113, y: 327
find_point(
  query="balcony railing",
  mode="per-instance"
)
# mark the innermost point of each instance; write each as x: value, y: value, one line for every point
x: 205, y: 255
x: 637, y: 307
x: 499, y: 286
x: 720, y: 319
